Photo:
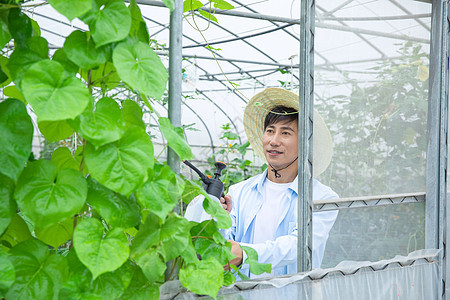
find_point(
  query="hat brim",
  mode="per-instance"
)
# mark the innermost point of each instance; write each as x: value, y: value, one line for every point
x: 262, y: 103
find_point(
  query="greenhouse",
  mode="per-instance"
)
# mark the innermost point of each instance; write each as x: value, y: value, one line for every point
x: 103, y: 101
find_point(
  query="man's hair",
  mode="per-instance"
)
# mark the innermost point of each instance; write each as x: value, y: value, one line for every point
x: 281, y: 114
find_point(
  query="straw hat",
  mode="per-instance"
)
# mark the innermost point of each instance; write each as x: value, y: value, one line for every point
x: 260, y: 105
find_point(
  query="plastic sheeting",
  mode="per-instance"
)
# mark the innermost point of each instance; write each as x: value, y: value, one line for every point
x: 415, y: 276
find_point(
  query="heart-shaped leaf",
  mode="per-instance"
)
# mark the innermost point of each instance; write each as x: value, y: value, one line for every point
x: 189, y: 5
x: 204, y: 277
x: 57, y: 234
x: 39, y: 272
x: 115, y: 208
x: 100, y: 253
x: 16, y: 135
x: 121, y: 166
x: 175, y: 139
x: 174, y: 236
x: 12, y: 92
x: 47, y: 196
x: 102, y: 126
x: 80, y: 49
x: 108, y: 20
x: 53, y: 94
x: 140, y: 67
x: 216, y: 211
x: 161, y: 192
x: 55, y: 131
x: 71, y: 9
x: 8, y: 206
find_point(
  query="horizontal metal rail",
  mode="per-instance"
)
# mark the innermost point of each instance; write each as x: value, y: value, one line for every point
x: 367, y: 201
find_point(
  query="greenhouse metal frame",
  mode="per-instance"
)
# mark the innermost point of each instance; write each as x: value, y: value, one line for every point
x: 435, y: 198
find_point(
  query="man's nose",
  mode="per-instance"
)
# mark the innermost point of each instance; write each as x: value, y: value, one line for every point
x: 275, y: 140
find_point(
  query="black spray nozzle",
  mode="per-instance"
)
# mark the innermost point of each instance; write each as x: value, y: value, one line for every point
x: 220, y: 166
x: 212, y: 186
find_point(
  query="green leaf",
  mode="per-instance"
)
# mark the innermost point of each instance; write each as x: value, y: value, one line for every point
x: 152, y: 264
x: 132, y: 114
x: 4, y: 78
x: 209, y: 249
x: 8, y: 206
x: 160, y: 193
x: 39, y: 273
x: 228, y: 278
x: 229, y: 135
x: 205, y: 277
x: 52, y: 93
x: 116, y: 209
x: 174, y: 236
x: 22, y: 58
x: 12, y: 92
x: 105, y: 76
x: 80, y: 49
x: 207, y: 228
x: 71, y: 9
x: 216, y: 211
x: 207, y: 15
x: 16, y: 232
x: 109, y: 21
x: 80, y: 285
x: 7, y: 272
x: 47, y: 196
x: 55, y: 131
x: 140, y: 67
x: 122, y: 166
x: 63, y: 159
x: 36, y: 30
x: 191, y: 190
x: 19, y: 26
x: 16, y: 135
x: 98, y: 252
x: 157, y: 243
x: 189, y: 5
x: 222, y: 4
x: 252, y: 259
x: 138, y: 26
x: 61, y: 57
x: 57, y: 234
x: 102, y: 126
x: 189, y: 255
x: 5, y: 37
x: 175, y: 139
x: 169, y: 4
x: 140, y: 287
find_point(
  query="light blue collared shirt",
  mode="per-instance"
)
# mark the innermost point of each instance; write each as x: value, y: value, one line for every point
x: 282, y: 252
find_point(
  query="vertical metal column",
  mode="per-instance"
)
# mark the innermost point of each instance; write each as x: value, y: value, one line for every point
x: 305, y: 141
x: 175, y: 89
x: 175, y: 76
x: 436, y: 222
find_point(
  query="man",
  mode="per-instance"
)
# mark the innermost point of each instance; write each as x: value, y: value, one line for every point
x: 264, y: 207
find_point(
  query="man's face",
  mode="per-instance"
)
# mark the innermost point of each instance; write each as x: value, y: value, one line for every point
x: 280, y: 143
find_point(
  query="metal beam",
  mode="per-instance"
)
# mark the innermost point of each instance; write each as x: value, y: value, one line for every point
x: 305, y: 138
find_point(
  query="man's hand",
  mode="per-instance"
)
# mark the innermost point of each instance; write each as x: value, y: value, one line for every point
x: 236, y: 250
x: 226, y: 202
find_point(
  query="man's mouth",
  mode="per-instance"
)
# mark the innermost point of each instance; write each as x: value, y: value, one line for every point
x: 274, y: 152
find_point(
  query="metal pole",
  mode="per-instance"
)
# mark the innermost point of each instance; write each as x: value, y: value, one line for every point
x: 436, y: 224
x: 175, y: 76
x: 304, y: 250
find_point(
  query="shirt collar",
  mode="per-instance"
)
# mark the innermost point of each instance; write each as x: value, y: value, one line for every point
x: 259, y: 183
